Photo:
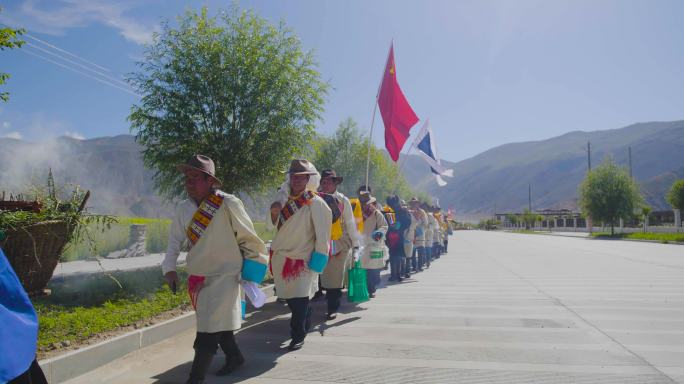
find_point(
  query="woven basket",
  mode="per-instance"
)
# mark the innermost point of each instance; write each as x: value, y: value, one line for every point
x: 34, y: 252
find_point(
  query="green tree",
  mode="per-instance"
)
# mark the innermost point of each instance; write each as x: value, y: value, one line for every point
x: 9, y: 39
x: 232, y: 87
x: 608, y: 193
x: 645, y: 211
x: 513, y: 219
x: 346, y: 152
x: 675, y: 196
x: 528, y: 217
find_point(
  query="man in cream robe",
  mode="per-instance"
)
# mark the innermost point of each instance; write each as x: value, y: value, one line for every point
x: 300, y: 248
x: 429, y: 235
x: 333, y: 277
x: 421, y: 220
x: 224, y: 249
x: 374, y: 250
x: 409, y: 240
x: 434, y: 235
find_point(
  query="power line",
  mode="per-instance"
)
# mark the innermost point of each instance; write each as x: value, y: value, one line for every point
x: 66, y: 52
x: 28, y: 52
x: 110, y: 78
x: 62, y: 61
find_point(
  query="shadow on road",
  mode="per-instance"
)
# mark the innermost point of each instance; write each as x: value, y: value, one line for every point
x: 263, y: 339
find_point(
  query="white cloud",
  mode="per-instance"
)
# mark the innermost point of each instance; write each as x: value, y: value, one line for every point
x: 12, y: 135
x: 6, y: 124
x: 54, y: 17
x: 74, y: 135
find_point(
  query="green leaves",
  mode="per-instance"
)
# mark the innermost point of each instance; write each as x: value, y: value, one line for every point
x: 675, y: 197
x: 9, y: 39
x: 608, y: 193
x: 232, y: 87
x: 346, y: 152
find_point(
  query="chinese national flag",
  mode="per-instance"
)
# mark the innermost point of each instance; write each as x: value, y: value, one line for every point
x: 397, y: 114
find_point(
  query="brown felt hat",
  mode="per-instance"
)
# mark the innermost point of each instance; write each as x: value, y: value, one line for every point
x: 301, y: 167
x: 200, y: 163
x: 330, y: 173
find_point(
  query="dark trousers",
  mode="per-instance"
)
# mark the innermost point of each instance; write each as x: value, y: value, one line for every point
x: 446, y: 245
x: 301, y: 317
x: 428, y: 256
x: 406, y: 267
x: 209, y: 342
x: 420, y: 255
x: 372, y: 279
x: 34, y: 375
x: 333, y: 296
x: 435, y: 250
x: 395, y: 267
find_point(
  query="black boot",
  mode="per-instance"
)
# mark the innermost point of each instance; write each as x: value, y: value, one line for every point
x: 200, y: 365
x: 234, y: 358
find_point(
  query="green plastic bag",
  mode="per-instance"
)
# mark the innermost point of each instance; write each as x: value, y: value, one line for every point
x: 358, y: 288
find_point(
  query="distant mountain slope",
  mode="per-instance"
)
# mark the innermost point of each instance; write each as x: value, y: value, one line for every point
x: 111, y: 167
x: 498, y: 178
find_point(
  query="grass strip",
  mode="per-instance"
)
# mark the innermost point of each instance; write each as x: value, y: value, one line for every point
x: 74, y: 324
x: 82, y: 307
x: 662, y: 237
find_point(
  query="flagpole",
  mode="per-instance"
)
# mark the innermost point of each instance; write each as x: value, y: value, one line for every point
x: 370, y: 141
x: 377, y: 95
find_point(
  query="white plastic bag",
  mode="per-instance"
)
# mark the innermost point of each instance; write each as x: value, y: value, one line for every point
x: 253, y: 293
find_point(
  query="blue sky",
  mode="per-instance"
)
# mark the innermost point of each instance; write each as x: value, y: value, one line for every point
x: 484, y: 72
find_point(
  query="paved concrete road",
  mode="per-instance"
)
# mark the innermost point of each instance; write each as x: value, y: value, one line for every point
x: 79, y: 267
x: 499, y: 308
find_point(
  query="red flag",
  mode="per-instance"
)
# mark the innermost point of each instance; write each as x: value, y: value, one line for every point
x: 396, y: 112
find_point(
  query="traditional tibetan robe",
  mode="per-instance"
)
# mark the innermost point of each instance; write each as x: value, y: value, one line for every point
x: 303, y: 234
x: 335, y: 272
x: 437, y: 230
x: 374, y: 252
x: 410, y: 237
x: 420, y: 217
x: 432, y: 231
x: 224, y: 249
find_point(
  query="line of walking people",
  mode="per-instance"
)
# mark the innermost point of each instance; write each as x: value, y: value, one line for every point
x: 318, y: 232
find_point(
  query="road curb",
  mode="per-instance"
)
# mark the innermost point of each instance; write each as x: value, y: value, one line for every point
x: 75, y: 363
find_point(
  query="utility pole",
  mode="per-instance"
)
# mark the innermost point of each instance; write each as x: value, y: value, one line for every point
x: 630, y: 162
x: 589, y: 154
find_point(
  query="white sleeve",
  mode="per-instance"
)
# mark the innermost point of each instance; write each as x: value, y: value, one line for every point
x: 176, y: 237
x: 350, y: 223
x: 321, y: 216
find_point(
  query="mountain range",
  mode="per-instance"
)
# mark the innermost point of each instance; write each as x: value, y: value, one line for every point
x: 497, y: 179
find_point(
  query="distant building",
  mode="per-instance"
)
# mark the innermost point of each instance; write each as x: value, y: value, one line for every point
x: 551, y: 218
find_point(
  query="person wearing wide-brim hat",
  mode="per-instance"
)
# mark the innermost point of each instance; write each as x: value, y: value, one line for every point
x: 420, y: 217
x: 299, y: 251
x: 345, y: 239
x: 431, y: 236
x: 224, y: 249
x: 374, y: 250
